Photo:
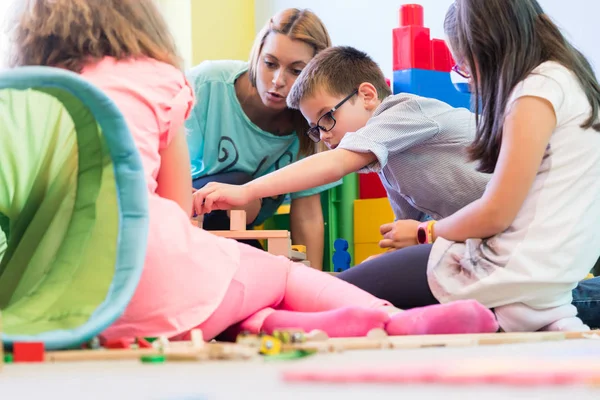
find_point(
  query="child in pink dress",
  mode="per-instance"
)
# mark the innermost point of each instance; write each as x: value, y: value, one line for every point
x: 191, y: 278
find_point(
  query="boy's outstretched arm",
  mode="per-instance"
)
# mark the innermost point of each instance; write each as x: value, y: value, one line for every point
x: 313, y: 171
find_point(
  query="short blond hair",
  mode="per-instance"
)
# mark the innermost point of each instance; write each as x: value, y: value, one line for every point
x: 297, y: 24
x: 338, y: 71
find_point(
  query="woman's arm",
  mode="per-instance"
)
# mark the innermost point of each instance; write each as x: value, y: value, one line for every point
x: 527, y: 131
x: 174, y: 176
x: 307, y: 227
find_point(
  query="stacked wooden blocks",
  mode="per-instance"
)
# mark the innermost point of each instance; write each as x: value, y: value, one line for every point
x: 279, y: 242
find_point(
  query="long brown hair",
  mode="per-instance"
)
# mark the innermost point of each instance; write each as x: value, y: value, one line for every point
x: 72, y: 33
x: 501, y: 42
x: 297, y: 24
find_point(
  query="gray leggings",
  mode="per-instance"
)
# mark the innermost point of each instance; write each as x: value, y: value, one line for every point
x: 399, y: 277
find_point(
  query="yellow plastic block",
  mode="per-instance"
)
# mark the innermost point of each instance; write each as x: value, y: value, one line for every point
x: 369, y: 215
x: 362, y: 251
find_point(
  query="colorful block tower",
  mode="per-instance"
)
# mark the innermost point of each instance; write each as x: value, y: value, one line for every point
x: 422, y: 65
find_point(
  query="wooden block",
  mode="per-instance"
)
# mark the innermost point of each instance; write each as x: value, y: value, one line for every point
x: 237, y: 220
x: 197, y: 339
x: 252, y: 234
x: 179, y: 353
x: 451, y: 340
x: 279, y: 246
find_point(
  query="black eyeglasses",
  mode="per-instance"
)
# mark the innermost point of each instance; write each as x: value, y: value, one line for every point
x: 327, y: 121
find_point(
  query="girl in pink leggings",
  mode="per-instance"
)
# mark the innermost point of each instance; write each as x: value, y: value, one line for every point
x: 191, y: 278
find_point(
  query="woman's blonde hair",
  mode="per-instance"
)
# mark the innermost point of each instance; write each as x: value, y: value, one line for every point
x: 72, y: 33
x: 297, y: 24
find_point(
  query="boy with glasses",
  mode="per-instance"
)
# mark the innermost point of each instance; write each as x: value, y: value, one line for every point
x: 417, y: 145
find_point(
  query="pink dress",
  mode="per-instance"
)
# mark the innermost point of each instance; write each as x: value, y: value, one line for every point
x: 155, y: 99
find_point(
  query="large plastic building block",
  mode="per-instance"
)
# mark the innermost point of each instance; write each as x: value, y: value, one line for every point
x: 338, y: 213
x: 412, y: 48
x: 433, y: 84
x: 341, y: 257
x: 441, y: 58
x: 411, y: 40
x: 362, y: 251
x: 28, y: 351
x: 411, y: 14
x: 369, y: 215
x: 370, y: 186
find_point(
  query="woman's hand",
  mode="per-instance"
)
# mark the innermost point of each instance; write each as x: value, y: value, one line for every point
x: 399, y: 234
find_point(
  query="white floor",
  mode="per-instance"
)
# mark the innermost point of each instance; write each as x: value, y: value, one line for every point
x: 262, y: 380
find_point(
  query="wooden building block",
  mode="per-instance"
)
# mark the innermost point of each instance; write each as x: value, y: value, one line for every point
x: 279, y: 246
x: 237, y: 220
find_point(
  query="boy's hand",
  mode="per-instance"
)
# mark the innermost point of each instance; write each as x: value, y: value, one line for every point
x: 219, y: 196
x: 399, y: 234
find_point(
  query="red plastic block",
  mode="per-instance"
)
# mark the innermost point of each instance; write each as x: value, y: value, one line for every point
x: 370, y: 187
x: 411, y: 47
x: 118, y: 344
x: 441, y: 58
x: 411, y: 14
x: 143, y: 343
x: 388, y: 81
x: 28, y: 352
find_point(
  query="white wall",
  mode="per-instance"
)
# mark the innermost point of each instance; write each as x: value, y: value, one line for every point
x: 5, y: 8
x: 368, y: 24
x: 177, y: 14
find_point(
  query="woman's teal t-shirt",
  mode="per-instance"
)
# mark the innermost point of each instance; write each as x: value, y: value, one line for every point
x: 221, y: 138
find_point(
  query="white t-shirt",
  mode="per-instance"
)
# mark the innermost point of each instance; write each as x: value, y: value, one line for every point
x: 554, y: 240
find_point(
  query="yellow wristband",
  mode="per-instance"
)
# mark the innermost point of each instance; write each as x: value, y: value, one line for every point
x: 430, y: 237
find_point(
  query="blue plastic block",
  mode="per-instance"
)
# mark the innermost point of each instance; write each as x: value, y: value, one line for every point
x: 341, y: 257
x: 433, y: 84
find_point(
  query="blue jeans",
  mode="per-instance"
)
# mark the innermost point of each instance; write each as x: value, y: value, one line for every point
x: 586, y: 297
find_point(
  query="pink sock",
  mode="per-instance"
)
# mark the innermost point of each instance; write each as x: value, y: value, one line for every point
x: 342, y: 322
x: 463, y: 316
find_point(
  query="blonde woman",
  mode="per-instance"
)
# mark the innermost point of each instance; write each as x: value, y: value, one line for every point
x: 241, y: 128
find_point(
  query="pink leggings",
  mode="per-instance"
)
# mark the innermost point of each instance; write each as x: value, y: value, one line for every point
x: 265, y: 283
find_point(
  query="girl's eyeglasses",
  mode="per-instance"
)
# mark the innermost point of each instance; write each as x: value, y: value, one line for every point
x: 461, y: 71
